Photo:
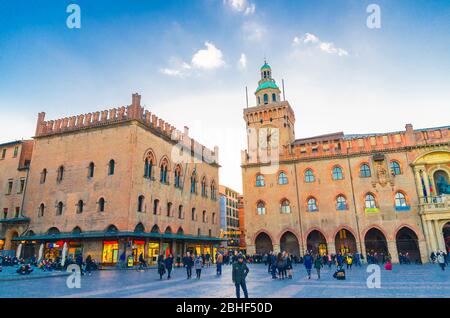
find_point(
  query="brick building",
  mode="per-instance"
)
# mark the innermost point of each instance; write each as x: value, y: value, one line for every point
x: 229, y: 213
x: 119, y: 180
x: 384, y: 193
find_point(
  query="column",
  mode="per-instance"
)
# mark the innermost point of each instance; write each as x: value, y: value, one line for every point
x: 439, y: 236
x: 433, y: 242
x: 363, y: 249
x: 276, y: 248
x: 392, y: 248
x: 251, y: 249
x: 427, y: 236
x: 423, y: 252
x: 331, y: 247
x: 174, y: 249
x: 419, y: 181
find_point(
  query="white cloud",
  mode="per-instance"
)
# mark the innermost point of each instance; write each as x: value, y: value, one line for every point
x: 242, y: 6
x: 209, y: 58
x: 327, y: 47
x: 243, y: 62
x: 206, y: 59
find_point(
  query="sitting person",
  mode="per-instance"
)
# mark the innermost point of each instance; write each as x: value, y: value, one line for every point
x: 24, y: 269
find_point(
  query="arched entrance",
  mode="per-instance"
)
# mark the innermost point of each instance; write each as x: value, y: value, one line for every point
x: 408, y: 244
x: 263, y: 243
x: 289, y: 243
x: 345, y: 242
x: 316, y: 243
x: 446, y: 232
x: 11, y: 245
x: 375, y: 242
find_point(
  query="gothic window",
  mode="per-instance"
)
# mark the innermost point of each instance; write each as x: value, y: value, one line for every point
x: 60, y: 175
x: 309, y: 176
x: 193, y: 216
x: 141, y: 200
x: 261, y: 208
x: 41, y: 209
x: 180, y: 212
x: 337, y: 173
x: 260, y: 180
x: 169, y: 209
x: 395, y: 168
x: 59, y: 208
x: 80, y: 206
x: 312, y: 205
x: 43, y: 176
x: 282, y: 178
x: 285, y: 206
x: 364, y: 171
x: 194, y: 182
x: 204, y: 187
x: 163, y: 171
x: 213, y: 190
x: 91, y: 169
x: 370, y: 201
x: 177, y: 176
x: 149, y: 163
x: 341, y: 203
x: 111, y: 167
x: 204, y: 219
x: 400, y: 200
x: 101, y: 205
x: 155, y: 207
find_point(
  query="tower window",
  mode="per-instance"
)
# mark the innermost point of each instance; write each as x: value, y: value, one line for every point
x: 274, y: 97
x: 266, y: 99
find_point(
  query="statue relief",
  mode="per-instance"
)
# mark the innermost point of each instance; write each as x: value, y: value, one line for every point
x: 381, y: 170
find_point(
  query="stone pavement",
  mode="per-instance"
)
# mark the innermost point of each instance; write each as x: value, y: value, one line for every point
x: 403, y: 281
x: 9, y: 274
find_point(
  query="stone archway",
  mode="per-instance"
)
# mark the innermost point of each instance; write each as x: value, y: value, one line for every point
x: 375, y: 242
x: 345, y: 242
x: 446, y: 233
x: 263, y: 243
x: 316, y: 243
x: 289, y: 243
x: 11, y: 245
x: 408, y: 244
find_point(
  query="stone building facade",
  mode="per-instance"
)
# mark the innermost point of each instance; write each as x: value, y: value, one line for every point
x: 120, y: 180
x: 383, y: 193
x: 229, y: 213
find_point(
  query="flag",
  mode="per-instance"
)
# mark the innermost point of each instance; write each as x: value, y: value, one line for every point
x: 431, y: 186
x: 424, y: 188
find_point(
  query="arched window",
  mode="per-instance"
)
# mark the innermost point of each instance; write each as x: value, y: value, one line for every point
x: 155, y: 229
x: 260, y: 180
x: 60, y: 175
x: 312, y: 205
x: 169, y: 209
x: 155, y: 207
x: 80, y: 206
x: 213, y: 190
x: 213, y: 218
x: 282, y: 178
x: 149, y: 163
x: 91, y: 170
x: 101, y: 205
x: 204, y: 188
x: 309, y: 176
x: 163, y: 171
x: 261, y: 208
x: 400, y: 200
x: 141, y: 199
x: 395, y: 168
x: 337, y: 173
x: 341, y: 203
x: 259, y: 100
x: 194, y: 182
x: 41, y: 209
x: 370, y: 201
x: 364, y: 171
x: 180, y: 212
x: 285, y: 206
x: 111, y: 167
x: 43, y: 176
x: 177, y: 176
x: 204, y: 219
x: 59, y: 208
x: 266, y: 99
x: 274, y: 97
x: 193, y: 215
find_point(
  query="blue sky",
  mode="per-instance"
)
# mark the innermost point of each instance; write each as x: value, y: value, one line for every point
x: 191, y: 60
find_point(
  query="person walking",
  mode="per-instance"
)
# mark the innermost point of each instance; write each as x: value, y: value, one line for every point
x: 349, y: 261
x: 198, y: 265
x: 89, y: 264
x: 289, y: 266
x: 239, y: 274
x: 441, y: 260
x: 142, y: 262
x: 318, y: 265
x: 308, y: 262
x: 187, y: 262
x: 168, y: 262
x: 161, y: 266
x: 219, y: 262
x: 269, y: 262
x: 79, y: 262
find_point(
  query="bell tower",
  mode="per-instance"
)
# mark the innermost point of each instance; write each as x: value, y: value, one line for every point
x: 271, y: 122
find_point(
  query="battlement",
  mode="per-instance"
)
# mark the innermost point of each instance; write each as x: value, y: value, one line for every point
x: 133, y: 112
x: 339, y: 144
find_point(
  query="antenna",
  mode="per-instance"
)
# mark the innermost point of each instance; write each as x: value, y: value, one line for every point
x: 246, y: 95
x: 284, y: 96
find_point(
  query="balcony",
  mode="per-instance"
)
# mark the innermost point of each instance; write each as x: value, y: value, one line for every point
x: 435, y: 204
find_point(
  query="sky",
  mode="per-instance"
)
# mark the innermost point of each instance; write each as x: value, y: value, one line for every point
x: 191, y: 61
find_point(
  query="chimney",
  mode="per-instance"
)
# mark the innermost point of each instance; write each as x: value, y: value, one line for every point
x: 409, y: 135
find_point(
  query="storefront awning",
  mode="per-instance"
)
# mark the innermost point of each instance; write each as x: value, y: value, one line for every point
x: 15, y: 220
x: 112, y: 235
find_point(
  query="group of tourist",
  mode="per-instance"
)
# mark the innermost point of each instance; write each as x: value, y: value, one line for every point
x: 441, y: 258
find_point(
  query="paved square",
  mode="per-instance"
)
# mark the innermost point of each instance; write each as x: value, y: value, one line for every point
x: 403, y: 281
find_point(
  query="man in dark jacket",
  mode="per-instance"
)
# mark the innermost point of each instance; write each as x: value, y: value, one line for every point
x: 169, y: 265
x: 239, y: 273
x: 188, y: 263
